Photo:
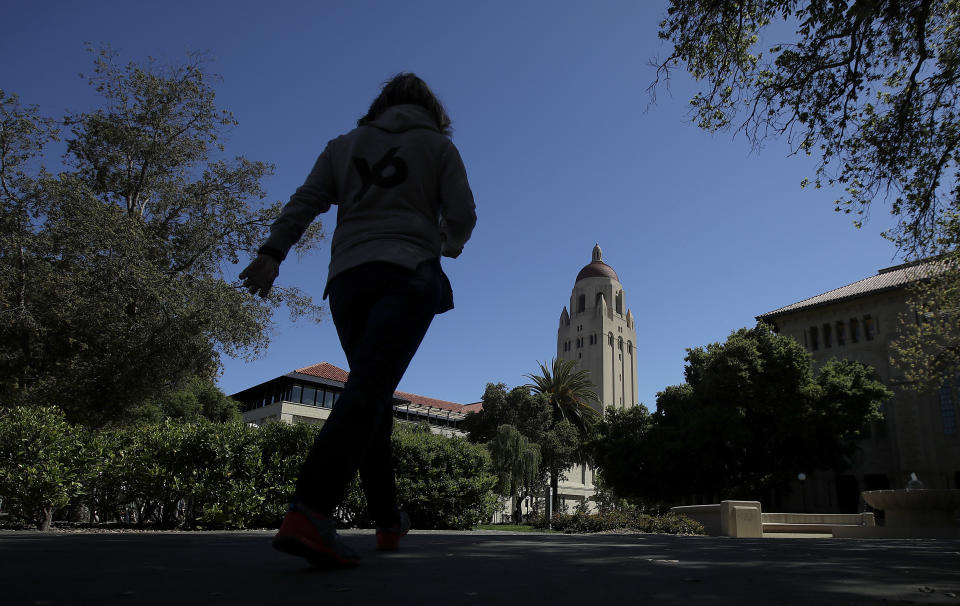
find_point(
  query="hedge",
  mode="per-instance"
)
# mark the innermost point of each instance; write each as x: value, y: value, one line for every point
x: 215, y: 475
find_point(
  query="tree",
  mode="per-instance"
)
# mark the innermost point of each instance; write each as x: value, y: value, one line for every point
x: 112, y: 279
x: 572, y: 396
x: 570, y: 392
x: 927, y: 346
x: 621, y: 450
x: 869, y: 87
x: 560, y: 443
x: 42, y: 462
x: 198, y: 398
x: 516, y: 464
x: 749, y: 417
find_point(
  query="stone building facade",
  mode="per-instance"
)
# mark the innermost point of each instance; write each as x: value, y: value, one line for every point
x: 918, y: 433
x: 307, y: 395
x: 598, y: 332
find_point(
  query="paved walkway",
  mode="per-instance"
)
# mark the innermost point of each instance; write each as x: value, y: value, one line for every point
x: 475, y: 568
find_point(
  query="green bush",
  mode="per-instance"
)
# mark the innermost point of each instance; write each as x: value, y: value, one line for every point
x: 204, y: 474
x: 42, y: 463
x: 283, y: 448
x: 441, y: 482
x: 581, y: 522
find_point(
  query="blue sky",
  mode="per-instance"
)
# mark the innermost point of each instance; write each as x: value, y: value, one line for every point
x: 563, y: 150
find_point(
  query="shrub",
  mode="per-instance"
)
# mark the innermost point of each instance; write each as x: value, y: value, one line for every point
x: 581, y: 522
x: 442, y: 482
x: 42, y: 462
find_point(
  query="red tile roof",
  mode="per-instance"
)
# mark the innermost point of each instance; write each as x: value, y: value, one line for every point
x: 890, y: 278
x: 325, y: 370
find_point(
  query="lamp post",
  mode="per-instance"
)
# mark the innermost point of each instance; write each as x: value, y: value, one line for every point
x: 803, y: 489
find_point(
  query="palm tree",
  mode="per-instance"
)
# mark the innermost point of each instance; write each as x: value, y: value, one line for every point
x: 571, y: 393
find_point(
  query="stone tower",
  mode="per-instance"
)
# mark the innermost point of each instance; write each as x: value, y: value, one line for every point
x: 599, y: 333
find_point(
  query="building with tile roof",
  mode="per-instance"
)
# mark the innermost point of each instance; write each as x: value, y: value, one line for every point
x: 306, y: 395
x: 919, y: 432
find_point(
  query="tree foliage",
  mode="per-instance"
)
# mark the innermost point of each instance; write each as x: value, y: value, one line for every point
x: 871, y: 87
x: 534, y: 416
x: 42, y: 462
x: 570, y: 392
x: 112, y: 277
x: 203, y: 474
x: 516, y: 463
x: 749, y: 417
x: 927, y: 347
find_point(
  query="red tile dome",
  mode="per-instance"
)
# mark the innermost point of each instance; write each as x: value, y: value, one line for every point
x: 597, y: 268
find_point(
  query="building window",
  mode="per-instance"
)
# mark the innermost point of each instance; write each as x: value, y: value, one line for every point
x: 827, y: 336
x: 947, y: 411
x: 309, y: 395
x: 841, y: 334
x: 329, y: 397
x: 868, y: 328
x: 814, y: 338
x: 854, y: 330
x: 596, y: 302
x: 611, y: 339
x: 620, y: 302
x: 295, y: 393
x: 581, y: 303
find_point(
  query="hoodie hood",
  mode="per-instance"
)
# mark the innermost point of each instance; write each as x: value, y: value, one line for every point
x: 400, y: 118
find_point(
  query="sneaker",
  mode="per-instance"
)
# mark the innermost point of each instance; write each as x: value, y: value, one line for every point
x: 389, y: 538
x: 313, y: 536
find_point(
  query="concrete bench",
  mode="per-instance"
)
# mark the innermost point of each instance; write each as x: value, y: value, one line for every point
x: 744, y: 519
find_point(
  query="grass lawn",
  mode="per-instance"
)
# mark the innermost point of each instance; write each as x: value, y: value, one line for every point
x: 510, y: 527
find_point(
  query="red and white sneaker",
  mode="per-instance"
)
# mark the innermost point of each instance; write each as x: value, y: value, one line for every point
x: 313, y: 536
x: 388, y: 538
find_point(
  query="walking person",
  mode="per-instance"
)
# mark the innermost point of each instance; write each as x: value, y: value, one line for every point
x: 403, y: 201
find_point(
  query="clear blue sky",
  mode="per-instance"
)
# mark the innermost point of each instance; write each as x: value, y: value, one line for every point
x: 551, y: 116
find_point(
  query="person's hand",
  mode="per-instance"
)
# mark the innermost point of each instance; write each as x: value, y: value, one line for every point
x: 446, y: 251
x: 258, y: 277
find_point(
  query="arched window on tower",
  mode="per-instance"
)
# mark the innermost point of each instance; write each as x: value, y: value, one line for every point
x: 620, y: 302
x: 581, y: 303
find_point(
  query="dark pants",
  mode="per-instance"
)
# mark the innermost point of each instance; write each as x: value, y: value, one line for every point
x: 382, y: 312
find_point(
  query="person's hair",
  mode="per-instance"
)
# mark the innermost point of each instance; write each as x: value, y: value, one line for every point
x: 408, y: 88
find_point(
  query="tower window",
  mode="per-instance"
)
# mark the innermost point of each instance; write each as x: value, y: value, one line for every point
x: 947, y: 412
x: 581, y: 303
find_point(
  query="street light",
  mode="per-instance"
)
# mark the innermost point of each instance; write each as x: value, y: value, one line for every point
x: 803, y: 489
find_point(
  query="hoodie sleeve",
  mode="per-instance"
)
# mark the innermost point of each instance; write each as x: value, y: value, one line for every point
x: 315, y: 196
x: 458, y: 213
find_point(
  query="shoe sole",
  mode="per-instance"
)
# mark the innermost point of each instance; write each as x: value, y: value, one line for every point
x: 317, y: 555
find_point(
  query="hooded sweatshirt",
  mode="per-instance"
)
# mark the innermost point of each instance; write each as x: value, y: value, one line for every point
x: 401, y: 193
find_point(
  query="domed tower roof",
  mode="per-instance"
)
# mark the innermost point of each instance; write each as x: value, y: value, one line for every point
x: 597, y: 268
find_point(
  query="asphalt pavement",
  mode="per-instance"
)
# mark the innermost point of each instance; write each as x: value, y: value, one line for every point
x: 473, y: 568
